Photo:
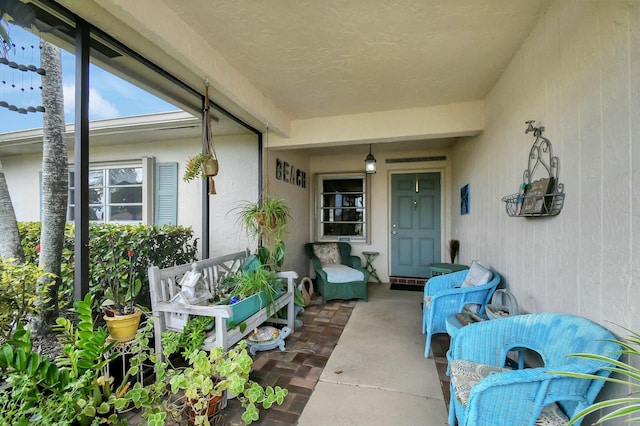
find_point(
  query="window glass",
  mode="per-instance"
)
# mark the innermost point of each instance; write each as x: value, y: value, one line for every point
x: 342, y: 207
x: 115, y: 194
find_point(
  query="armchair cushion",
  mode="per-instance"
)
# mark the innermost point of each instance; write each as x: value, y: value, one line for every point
x: 465, y: 374
x: 342, y: 273
x: 477, y: 275
x: 328, y: 254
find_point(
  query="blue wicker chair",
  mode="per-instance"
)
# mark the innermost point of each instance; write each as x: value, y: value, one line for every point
x: 485, y: 393
x: 339, y: 290
x: 444, y: 296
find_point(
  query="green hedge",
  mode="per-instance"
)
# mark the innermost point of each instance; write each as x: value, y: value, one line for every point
x: 151, y: 245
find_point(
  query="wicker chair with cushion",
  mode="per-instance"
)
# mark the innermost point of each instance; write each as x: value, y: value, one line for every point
x: 484, y: 392
x: 339, y: 274
x: 447, y: 294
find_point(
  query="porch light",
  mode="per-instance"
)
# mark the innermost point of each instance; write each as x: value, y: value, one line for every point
x: 370, y: 162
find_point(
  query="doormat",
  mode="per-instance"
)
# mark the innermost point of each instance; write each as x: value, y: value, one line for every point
x: 408, y: 287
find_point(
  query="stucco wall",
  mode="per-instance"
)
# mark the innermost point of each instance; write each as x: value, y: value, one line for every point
x: 298, y: 199
x: 577, y: 75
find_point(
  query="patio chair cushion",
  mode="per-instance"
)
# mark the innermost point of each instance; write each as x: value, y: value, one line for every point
x: 552, y: 415
x: 465, y: 374
x: 328, y: 254
x: 477, y: 275
x: 342, y: 273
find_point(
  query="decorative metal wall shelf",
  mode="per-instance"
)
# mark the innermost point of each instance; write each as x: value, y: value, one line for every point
x: 542, y: 197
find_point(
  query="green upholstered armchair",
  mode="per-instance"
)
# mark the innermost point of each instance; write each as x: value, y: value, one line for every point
x: 339, y: 274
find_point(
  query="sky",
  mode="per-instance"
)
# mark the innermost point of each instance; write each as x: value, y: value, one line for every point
x: 109, y: 96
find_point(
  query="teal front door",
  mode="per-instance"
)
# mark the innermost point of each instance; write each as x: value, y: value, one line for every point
x: 415, y: 223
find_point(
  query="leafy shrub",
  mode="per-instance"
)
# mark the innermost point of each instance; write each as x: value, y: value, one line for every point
x: 71, y: 389
x: 164, y: 246
x: 19, y: 294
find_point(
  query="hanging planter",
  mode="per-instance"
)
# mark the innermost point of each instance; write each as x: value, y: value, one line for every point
x: 210, y: 166
x: 204, y: 164
x: 201, y: 166
x: 265, y: 219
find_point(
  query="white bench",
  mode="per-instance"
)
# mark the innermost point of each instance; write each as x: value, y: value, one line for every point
x: 167, y: 315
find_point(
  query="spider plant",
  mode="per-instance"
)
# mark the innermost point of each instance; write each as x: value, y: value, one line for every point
x: 625, y: 406
x: 266, y: 220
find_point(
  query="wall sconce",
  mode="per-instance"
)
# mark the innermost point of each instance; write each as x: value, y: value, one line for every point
x: 370, y: 162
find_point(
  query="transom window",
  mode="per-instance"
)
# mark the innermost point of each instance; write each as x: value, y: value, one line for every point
x: 342, y: 207
x: 115, y: 194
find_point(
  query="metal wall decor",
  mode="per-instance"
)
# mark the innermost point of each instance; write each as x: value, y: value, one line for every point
x: 544, y: 196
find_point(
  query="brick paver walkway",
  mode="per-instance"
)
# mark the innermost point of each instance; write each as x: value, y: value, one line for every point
x: 298, y: 368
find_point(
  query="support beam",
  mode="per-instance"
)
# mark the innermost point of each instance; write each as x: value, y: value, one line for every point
x: 81, y: 162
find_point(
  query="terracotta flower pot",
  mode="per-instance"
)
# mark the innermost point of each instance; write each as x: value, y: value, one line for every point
x: 211, y: 410
x: 263, y: 221
x: 123, y: 328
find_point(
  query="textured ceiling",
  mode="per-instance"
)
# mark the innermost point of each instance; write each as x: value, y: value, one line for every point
x: 333, y: 57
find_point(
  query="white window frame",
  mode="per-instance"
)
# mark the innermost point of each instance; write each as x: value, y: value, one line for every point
x: 320, y: 208
x: 147, y: 204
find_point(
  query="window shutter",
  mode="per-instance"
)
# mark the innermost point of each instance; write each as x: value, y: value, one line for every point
x: 166, y: 201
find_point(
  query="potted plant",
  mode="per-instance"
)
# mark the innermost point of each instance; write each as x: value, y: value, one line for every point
x: 120, y: 313
x: 200, y: 166
x: 266, y: 220
x: 210, y: 374
x: 149, y: 396
x: 261, y: 282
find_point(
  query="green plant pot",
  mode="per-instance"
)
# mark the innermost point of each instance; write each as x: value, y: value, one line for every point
x: 246, y: 307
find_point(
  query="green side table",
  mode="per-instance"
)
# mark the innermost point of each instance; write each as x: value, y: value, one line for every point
x: 369, y: 256
x: 445, y: 268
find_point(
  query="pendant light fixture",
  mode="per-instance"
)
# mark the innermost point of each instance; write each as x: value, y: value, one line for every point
x: 370, y: 162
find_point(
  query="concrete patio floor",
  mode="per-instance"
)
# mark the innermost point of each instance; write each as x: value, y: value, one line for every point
x: 377, y: 374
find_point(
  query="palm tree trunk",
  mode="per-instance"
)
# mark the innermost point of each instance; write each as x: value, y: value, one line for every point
x: 55, y: 183
x: 10, y: 246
